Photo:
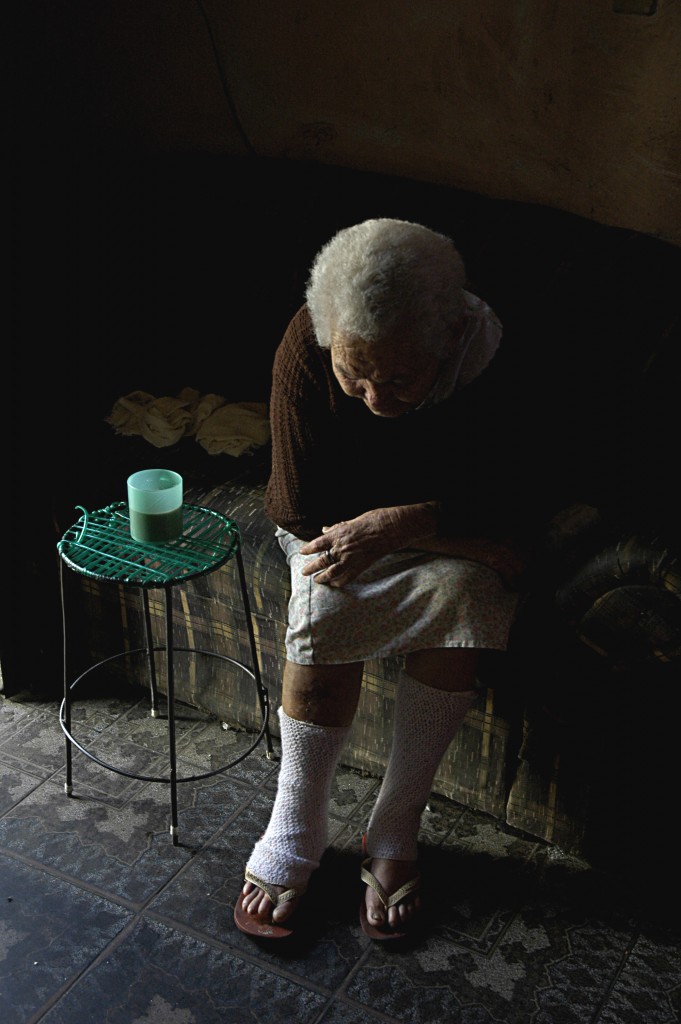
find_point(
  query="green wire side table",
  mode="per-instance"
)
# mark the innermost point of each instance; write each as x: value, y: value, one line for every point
x: 99, y: 545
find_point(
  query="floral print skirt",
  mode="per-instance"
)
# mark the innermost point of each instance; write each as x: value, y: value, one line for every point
x: 407, y: 601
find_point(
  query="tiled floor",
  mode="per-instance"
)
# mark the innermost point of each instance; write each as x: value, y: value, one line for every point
x: 105, y: 920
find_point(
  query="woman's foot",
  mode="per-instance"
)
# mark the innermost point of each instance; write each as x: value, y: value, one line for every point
x: 392, y: 898
x: 257, y: 903
x: 265, y: 910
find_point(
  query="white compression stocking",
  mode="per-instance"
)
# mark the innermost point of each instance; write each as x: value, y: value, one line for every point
x: 296, y: 836
x: 425, y: 721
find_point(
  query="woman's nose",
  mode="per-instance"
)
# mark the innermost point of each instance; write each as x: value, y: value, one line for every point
x: 375, y: 390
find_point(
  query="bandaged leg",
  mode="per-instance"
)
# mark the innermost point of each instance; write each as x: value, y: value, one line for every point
x: 425, y: 721
x: 297, y: 834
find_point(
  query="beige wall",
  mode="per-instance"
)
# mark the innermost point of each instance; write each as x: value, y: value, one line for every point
x: 568, y: 103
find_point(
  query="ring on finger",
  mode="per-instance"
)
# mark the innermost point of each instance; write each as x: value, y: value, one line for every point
x: 330, y: 556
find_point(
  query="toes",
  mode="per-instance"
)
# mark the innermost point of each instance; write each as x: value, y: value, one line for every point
x: 283, y: 912
x: 391, y: 875
x: 404, y: 911
x: 375, y: 915
x: 398, y: 916
x: 374, y: 907
x: 256, y: 902
x: 251, y: 903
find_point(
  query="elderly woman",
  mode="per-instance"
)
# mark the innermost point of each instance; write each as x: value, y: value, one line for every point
x: 395, y: 543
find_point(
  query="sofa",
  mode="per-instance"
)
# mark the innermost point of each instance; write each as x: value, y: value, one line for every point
x: 606, y: 614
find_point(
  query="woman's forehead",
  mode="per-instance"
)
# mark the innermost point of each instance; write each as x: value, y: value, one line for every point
x: 377, y: 356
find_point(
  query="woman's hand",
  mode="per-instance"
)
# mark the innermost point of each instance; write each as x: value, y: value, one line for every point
x: 347, y: 548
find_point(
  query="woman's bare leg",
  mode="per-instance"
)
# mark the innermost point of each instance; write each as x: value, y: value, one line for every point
x: 322, y: 694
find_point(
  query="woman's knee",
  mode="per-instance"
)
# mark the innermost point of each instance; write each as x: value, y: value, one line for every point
x: 444, y: 668
x: 322, y: 694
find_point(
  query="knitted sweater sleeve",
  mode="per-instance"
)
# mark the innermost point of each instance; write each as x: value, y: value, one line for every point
x: 301, y: 410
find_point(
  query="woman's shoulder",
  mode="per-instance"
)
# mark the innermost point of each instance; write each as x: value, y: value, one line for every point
x: 299, y: 337
x: 482, y: 338
x: 299, y: 358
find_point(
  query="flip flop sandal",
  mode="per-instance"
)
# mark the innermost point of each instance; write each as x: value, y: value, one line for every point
x: 262, y: 926
x: 383, y: 932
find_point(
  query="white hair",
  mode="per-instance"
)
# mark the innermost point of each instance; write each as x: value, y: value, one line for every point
x: 385, y: 276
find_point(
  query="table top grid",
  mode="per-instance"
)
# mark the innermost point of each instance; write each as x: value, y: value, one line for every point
x: 99, y: 545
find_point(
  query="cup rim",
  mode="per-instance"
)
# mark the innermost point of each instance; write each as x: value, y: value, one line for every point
x: 171, y: 476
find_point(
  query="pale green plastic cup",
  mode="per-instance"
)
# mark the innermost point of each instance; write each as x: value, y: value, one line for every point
x: 155, y: 505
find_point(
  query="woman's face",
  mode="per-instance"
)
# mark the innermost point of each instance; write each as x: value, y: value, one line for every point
x: 390, y: 378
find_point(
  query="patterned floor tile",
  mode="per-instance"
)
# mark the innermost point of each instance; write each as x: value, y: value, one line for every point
x: 203, y: 895
x: 177, y: 979
x: 512, y: 930
x: 14, y: 786
x: 123, y: 850
x: 50, y: 932
x: 35, y: 743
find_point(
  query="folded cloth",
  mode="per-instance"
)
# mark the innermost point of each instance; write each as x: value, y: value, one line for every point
x: 165, y: 421
x: 235, y: 429
x: 205, y: 405
x: 126, y: 415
